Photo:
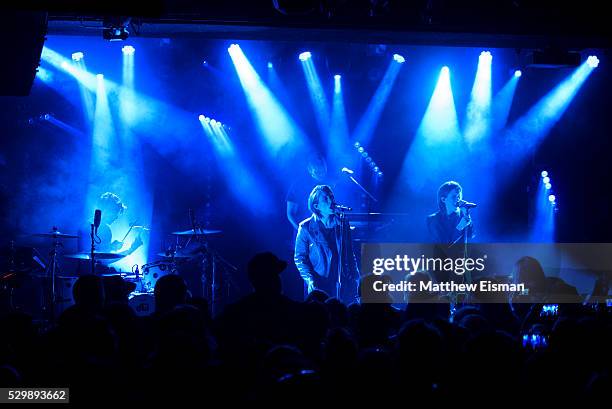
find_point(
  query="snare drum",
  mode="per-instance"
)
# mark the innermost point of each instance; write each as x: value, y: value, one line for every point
x: 143, y: 304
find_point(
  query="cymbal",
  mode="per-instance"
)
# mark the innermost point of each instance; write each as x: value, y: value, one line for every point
x: 175, y: 255
x: 56, y: 235
x: 97, y: 256
x: 198, y: 232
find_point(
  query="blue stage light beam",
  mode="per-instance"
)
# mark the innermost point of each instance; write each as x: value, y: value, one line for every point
x: 103, y: 129
x: 437, y: 149
x: 317, y: 96
x: 440, y: 123
x: 369, y: 120
x: 478, y: 114
x: 241, y: 180
x: 279, y: 130
x: 502, y: 103
x: 127, y: 96
x: 531, y: 129
x: 65, y: 127
x: 543, y: 224
x: 87, y: 81
x: 339, y: 149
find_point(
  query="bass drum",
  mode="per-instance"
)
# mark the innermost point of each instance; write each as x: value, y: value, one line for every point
x: 143, y: 304
x: 153, y: 272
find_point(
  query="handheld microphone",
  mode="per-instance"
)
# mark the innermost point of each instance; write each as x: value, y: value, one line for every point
x: 97, y: 219
x: 467, y: 205
x: 337, y: 206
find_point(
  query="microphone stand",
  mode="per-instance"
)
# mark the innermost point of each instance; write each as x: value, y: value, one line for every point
x: 468, y: 274
x: 93, y: 249
x: 342, y: 217
x: 362, y: 188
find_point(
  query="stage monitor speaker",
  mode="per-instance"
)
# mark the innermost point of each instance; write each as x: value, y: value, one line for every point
x: 23, y: 35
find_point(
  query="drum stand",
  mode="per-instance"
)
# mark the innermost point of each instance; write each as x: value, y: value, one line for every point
x: 51, y: 272
x: 210, y: 282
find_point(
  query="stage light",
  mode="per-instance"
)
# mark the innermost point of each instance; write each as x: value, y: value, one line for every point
x: 360, y: 150
x: 398, y: 58
x: 128, y: 50
x: 551, y: 198
x: 593, y: 61
x: 548, y: 186
x: 544, y: 173
x: 305, y: 55
x: 270, y: 65
x: 213, y: 122
x: 546, y: 179
x: 201, y: 117
x: 445, y: 70
x: 233, y: 47
x: 376, y: 169
x: 518, y: 73
x: 368, y: 159
x: 364, y: 154
x: 357, y: 144
x: 78, y: 56
x: 380, y: 174
x: 337, y: 77
x: 486, y: 55
x: 100, y: 77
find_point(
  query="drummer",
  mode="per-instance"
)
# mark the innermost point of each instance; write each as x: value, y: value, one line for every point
x: 112, y: 207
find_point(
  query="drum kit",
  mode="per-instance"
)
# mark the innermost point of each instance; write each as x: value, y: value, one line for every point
x: 54, y: 289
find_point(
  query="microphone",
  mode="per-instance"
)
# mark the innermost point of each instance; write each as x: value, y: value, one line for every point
x: 340, y: 207
x: 347, y: 170
x: 97, y: 219
x: 467, y: 205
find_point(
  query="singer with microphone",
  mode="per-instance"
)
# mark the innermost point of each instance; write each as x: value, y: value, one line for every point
x: 452, y: 222
x: 323, y: 250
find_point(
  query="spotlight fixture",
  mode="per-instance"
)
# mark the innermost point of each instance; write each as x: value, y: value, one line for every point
x: 593, y: 61
x: 486, y: 56
x: 78, y: 56
x: 305, y: 55
x: 398, y: 58
x: 128, y: 50
x: 518, y: 73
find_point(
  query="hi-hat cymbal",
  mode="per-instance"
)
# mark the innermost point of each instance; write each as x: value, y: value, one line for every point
x: 97, y: 256
x: 197, y: 232
x: 56, y: 235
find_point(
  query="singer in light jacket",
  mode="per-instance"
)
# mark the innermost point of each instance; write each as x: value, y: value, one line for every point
x: 323, y: 245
